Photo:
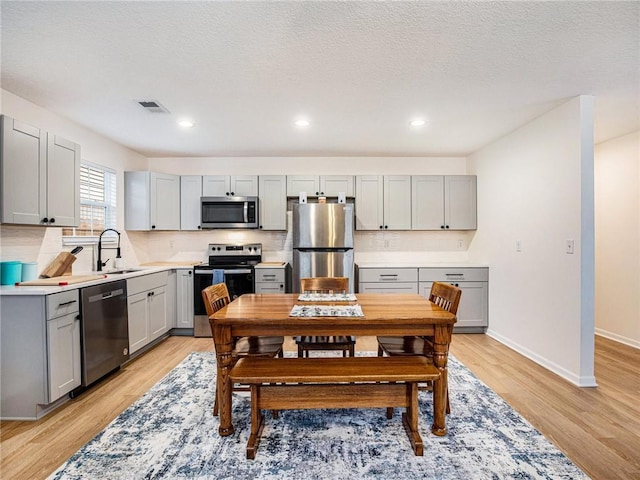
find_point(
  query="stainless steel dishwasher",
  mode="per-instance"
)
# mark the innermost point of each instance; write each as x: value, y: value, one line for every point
x: 104, y: 328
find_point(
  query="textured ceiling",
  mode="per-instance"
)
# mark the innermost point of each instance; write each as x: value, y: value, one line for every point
x: 360, y: 71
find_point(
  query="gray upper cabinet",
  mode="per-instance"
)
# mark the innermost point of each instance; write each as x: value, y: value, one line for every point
x: 40, y: 176
x: 310, y: 184
x: 152, y: 201
x: 320, y: 185
x: 190, y: 193
x: 383, y: 202
x: 460, y: 207
x: 273, y: 202
x: 333, y: 185
x: 230, y: 186
x: 444, y: 202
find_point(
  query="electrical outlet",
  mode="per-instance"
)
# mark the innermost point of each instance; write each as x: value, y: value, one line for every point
x: 569, y: 247
x: 518, y: 245
x: 460, y: 244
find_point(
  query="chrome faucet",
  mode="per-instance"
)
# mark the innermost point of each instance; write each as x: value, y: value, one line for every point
x: 100, y: 264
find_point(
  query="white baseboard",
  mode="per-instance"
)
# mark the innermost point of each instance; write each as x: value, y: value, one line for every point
x: 618, y: 338
x: 580, y: 381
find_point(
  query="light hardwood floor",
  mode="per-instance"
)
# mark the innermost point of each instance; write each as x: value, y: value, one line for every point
x: 598, y: 428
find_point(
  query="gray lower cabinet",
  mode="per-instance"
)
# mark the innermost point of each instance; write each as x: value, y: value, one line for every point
x: 40, y: 352
x: 273, y: 279
x: 184, y: 298
x: 388, y: 280
x: 147, y: 308
x: 473, y: 311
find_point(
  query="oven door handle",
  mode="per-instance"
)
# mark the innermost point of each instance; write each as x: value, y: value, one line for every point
x: 203, y: 270
x: 238, y: 270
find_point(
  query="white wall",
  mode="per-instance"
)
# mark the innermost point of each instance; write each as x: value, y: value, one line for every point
x: 311, y: 165
x: 42, y: 244
x: 535, y: 186
x: 617, y: 213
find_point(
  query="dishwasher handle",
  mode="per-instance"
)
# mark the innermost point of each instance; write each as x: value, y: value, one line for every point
x: 106, y: 295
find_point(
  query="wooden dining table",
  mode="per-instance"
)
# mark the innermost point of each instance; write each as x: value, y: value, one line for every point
x: 384, y: 314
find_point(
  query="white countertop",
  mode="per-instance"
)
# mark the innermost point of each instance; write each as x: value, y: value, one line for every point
x: 384, y: 264
x: 47, y: 290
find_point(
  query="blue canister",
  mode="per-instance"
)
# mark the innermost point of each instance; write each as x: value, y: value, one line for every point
x: 10, y: 273
x: 29, y: 271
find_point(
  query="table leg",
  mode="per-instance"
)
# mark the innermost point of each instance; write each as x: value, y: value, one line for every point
x: 440, y: 386
x: 224, y: 346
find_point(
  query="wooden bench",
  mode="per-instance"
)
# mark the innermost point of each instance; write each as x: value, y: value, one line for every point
x: 352, y: 382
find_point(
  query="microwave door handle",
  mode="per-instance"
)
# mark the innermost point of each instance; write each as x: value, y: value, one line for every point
x: 246, y: 212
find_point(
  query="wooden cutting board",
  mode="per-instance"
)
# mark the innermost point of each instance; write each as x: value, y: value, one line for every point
x: 61, y: 280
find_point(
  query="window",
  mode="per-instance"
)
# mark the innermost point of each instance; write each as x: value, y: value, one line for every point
x: 97, y: 203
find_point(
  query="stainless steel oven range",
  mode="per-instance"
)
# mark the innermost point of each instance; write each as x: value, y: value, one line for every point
x: 236, y: 265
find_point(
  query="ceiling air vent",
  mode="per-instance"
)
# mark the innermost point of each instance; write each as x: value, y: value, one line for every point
x: 152, y: 106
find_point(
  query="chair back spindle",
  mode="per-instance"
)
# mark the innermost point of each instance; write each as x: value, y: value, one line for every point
x: 446, y: 296
x: 215, y: 297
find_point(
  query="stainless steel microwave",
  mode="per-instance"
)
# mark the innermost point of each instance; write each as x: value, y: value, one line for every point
x: 229, y: 212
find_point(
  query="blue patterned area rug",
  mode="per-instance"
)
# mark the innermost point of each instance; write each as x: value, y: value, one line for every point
x: 169, y: 433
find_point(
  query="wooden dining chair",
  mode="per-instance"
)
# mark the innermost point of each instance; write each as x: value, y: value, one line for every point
x: 447, y: 297
x: 309, y: 343
x: 216, y: 297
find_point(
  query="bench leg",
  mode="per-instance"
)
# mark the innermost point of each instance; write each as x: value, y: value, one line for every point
x: 257, y: 423
x: 410, y: 419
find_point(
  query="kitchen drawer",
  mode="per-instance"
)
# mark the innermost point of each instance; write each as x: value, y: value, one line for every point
x: 270, y: 287
x: 270, y: 275
x: 377, y: 287
x: 453, y: 274
x: 146, y: 282
x: 388, y: 275
x: 63, y: 303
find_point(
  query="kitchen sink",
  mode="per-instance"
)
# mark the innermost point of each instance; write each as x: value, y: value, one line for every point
x: 120, y: 272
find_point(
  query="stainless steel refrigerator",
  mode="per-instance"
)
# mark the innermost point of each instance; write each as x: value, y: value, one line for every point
x: 322, y: 241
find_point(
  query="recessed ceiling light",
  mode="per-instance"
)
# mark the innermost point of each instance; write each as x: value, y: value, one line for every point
x: 418, y: 122
x: 302, y: 123
x: 186, y: 123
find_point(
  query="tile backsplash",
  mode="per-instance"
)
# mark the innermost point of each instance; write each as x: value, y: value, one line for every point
x: 42, y: 244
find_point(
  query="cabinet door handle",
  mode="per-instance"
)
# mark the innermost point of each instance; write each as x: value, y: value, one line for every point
x: 52, y: 220
x: 389, y: 277
x: 71, y: 302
